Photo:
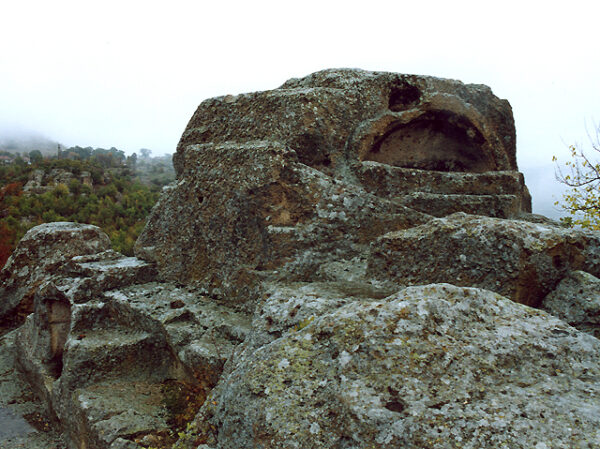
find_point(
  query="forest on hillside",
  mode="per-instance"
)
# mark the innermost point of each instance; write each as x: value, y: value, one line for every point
x: 95, y: 186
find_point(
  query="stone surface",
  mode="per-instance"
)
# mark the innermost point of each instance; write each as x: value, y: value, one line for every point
x: 83, y: 357
x: 329, y: 113
x: 431, y: 366
x: 24, y: 422
x: 242, y: 213
x: 576, y: 300
x: 272, y: 185
x: 501, y: 194
x: 40, y: 252
x: 201, y: 332
x: 523, y: 261
x: 111, y: 354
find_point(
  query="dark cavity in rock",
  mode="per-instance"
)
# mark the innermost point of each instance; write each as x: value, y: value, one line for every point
x: 437, y: 140
x: 402, y: 95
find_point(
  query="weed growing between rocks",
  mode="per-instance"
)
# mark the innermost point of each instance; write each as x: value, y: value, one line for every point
x: 188, y: 438
x: 181, y: 401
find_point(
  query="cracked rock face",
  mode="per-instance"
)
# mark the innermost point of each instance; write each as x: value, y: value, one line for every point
x: 292, y: 289
x: 110, y: 353
x: 523, y: 261
x: 268, y: 181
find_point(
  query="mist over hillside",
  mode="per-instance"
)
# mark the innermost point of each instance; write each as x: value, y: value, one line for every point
x: 23, y: 141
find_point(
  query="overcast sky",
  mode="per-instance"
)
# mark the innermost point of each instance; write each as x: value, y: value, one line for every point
x: 130, y: 74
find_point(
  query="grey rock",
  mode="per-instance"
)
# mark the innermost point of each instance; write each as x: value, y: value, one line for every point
x: 35, y: 182
x: 521, y: 260
x: 41, y: 251
x: 96, y: 366
x: 440, y: 205
x: 19, y: 407
x: 576, y: 300
x: 94, y: 274
x: 501, y: 194
x: 248, y: 212
x: 104, y: 361
x: 202, y: 332
x: 273, y: 185
x: 431, y: 366
x: 332, y: 111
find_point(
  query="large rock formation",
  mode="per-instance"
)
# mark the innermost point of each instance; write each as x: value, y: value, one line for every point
x: 347, y: 261
x: 278, y: 181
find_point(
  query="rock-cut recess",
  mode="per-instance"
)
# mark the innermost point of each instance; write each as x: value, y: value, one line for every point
x: 346, y: 261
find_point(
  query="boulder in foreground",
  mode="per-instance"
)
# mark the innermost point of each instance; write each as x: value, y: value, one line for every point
x: 431, y: 366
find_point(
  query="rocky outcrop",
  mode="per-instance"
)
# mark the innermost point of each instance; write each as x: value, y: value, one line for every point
x: 335, y: 115
x: 110, y: 353
x: 346, y: 261
x: 431, y: 366
x: 40, y: 253
x: 272, y: 181
x: 523, y: 261
x: 40, y: 181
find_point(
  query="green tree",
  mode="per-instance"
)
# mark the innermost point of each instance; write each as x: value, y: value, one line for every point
x: 74, y: 187
x: 132, y: 161
x: 35, y: 156
x: 118, y: 201
x: 582, y: 175
x: 61, y: 190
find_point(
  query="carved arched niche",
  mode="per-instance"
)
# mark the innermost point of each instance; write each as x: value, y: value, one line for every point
x: 438, y: 140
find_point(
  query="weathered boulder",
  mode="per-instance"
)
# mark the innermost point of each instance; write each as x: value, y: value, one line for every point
x: 113, y: 355
x: 78, y: 343
x: 431, y: 366
x: 523, y: 261
x: 244, y: 212
x: 39, y: 253
x: 408, y: 120
x: 91, y: 275
x: 576, y: 300
x: 275, y: 184
x: 201, y: 332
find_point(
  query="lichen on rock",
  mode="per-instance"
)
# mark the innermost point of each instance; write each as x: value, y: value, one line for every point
x: 431, y: 366
x: 576, y: 300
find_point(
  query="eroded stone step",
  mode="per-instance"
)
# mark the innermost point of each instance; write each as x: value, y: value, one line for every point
x: 387, y: 180
x: 440, y: 205
x: 122, y: 414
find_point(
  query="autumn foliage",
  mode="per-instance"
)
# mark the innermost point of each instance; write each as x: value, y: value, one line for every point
x: 114, y: 200
x: 7, y: 237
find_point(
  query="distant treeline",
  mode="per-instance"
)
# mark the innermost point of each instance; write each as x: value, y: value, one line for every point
x: 85, y: 185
